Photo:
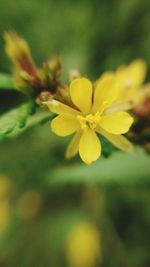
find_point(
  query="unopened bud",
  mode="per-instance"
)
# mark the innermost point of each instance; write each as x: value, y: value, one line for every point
x: 18, y: 51
x: 74, y: 74
x: 44, y: 97
x: 54, y: 66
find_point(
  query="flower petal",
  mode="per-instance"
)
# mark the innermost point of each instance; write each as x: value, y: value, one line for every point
x: 73, y: 147
x: 106, y: 91
x: 89, y: 146
x: 60, y: 108
x: 64, y: 125
x: 130, y: 79
x: 81, y: 94
x: 137, y: 70
x: 121, y: 106
x: 116, y: 123
x: 118, y: 140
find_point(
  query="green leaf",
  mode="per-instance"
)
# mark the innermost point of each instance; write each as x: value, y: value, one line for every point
x: 119, y: 169
x: 38, y: 118
x: 6, y: 81
x: 15, y: 118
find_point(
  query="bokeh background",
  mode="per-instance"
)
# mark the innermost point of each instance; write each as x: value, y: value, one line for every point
x: 45, y: 224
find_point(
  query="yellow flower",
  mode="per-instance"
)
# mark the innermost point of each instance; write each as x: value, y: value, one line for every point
x: 88, y: 116
x: 131, y: 78
x: 130, y: 85
x: 83, y: 246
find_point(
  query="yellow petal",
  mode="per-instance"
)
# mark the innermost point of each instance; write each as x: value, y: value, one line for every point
x: 73, y: 147
x: 64, y: 125
x: 131, y: 78
x: 106, y: 91
x: 119, y: 141
x: 137, y: 70
x: 116, y: 123
x: 60, y: 108
x: 143, y: 95
x: 81, y: 94
x: 121, y: 106
x: 89, y: 146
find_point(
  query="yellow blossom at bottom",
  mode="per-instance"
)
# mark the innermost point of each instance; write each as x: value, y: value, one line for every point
x: 89, y: 116
x: 83, y: 246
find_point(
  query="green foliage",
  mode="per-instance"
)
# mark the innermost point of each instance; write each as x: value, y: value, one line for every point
x: 6, y: 81
x: 40, y: 117
x: 15, y: 118
x: 119, y: 169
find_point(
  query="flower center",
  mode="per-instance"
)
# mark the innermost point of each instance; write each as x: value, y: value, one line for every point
x: 90, y: 120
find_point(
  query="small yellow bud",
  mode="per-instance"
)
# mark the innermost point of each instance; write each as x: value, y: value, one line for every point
x: 74, y: 74
x: 16, y: 47
x: 54, y: 66
x: 18, y: 51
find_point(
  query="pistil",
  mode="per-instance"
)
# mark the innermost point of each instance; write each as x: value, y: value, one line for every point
x: 90, y: 121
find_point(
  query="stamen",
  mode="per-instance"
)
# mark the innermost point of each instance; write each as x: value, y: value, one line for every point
x: 90, y: 120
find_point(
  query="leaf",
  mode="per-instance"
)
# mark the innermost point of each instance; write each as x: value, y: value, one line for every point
x: 119, y: 169
x: 38, y: 118
x: 6, y: 81
x: 15, y: 118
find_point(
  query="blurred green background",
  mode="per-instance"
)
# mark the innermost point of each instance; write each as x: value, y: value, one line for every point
x: 37, y: 215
